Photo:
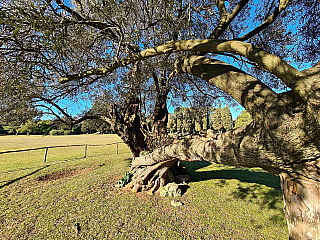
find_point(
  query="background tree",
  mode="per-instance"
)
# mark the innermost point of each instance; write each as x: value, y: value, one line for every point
x: 216, y: 121
x: 243, y: 119
x: 205, y: 120
x: 88, y: 126
x: 187, y: 125
x: 226, y: 118
x: 171, y: 123
x: 178, y: 113
x: 39, y: 127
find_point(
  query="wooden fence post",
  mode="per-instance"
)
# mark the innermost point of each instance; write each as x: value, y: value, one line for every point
x: 117, y: 148
x: 85, y: 151
x: 45, y: 155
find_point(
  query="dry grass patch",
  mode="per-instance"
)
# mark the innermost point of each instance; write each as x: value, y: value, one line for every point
x: 64, y: 174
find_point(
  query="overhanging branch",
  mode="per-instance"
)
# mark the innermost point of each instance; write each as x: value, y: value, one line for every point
x: 288, y: 74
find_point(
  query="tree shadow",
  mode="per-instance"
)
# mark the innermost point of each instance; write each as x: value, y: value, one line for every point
x: 241, y: 174
x: 254, y: 192
x: 19, y: 178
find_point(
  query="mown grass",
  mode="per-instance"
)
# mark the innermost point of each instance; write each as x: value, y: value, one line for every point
x: 221, y: 203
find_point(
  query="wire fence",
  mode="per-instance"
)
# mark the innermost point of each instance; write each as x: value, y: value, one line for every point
x: 45, y: 157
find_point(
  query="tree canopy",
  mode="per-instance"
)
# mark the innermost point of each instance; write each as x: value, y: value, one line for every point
x: 95, y: 47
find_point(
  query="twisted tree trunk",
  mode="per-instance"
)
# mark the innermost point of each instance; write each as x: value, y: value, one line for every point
x: 283, y: 139
x: 126, y: 123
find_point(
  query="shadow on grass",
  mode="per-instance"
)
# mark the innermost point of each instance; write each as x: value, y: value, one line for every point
x: 19, y: 178
x: 241, y: 174
x: 267, y: 197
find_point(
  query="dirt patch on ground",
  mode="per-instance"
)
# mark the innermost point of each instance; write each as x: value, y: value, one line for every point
x: 64, y: 174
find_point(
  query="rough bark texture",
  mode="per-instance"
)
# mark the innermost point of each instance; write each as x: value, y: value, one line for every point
x: 152, y: 177
x: 284, y: 137
x: 302, y: 206
x: 236, y: 147
x: 160, y: 113
x: 127, y: 125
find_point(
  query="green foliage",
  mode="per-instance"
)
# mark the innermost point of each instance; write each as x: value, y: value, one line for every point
x: 197, y: 126
x: 10, y: 129
x: 197, y: 118
x: 27, y: 128
x: 67, y: 132
x: 205, y: 121
x: 76, y: 129
x: 88, y: 126
x: 178, y: 113
x: 45, y: 126
x: 216, y: 122
x: 171, y: 125
x: 125, y: 179
x: 243, y: 119
x: 41, y: 127
x: 55, y: 132
x: 226, y: 118
x: 187, y: 121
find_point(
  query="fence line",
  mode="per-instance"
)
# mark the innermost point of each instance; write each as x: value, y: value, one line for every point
x: 63, y: 146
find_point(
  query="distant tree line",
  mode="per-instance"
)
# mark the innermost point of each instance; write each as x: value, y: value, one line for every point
x: 188, y: 120
x: 184, y: 120
x: 51, y: 127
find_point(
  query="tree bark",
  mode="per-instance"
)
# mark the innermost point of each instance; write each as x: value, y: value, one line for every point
x: 301, y: 206
x: 127, y: 125
x: 287, y: 129
x: 236, y: 147
x: 284, y: 138
x: 160, y: 112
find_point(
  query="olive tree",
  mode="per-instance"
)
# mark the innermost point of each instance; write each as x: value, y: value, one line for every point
x: 250, y: 52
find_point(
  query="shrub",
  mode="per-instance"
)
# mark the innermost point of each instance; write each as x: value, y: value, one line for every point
x: 66, y: 132
x: 125, y: 180
x: 54, y: 132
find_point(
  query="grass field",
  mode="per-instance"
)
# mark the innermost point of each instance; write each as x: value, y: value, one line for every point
x: 71, y: 197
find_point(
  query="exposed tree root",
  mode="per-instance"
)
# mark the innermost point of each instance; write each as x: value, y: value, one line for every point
x: 152, y: 178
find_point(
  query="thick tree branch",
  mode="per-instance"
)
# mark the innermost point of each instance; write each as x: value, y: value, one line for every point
x: 236, y: 147
x: 288, y: 74
x: 251, y: 93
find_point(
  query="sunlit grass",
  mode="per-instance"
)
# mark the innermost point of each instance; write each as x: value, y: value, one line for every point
x: 221, y: 203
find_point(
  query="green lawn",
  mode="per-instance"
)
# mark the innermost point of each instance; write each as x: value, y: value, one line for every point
x: 71, y: 197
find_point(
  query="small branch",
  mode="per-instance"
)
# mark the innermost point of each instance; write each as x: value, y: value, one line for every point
x: 282, y: 6
x: 57, y: 107
x: 225, y: 18
x: 200, y: 90
x: 51, y: 112
x: 152, y: 24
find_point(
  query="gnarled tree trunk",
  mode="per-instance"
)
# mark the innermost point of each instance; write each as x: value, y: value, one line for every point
x: 126, y: 123
x: 283, y: 139
x: 301, y: 198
